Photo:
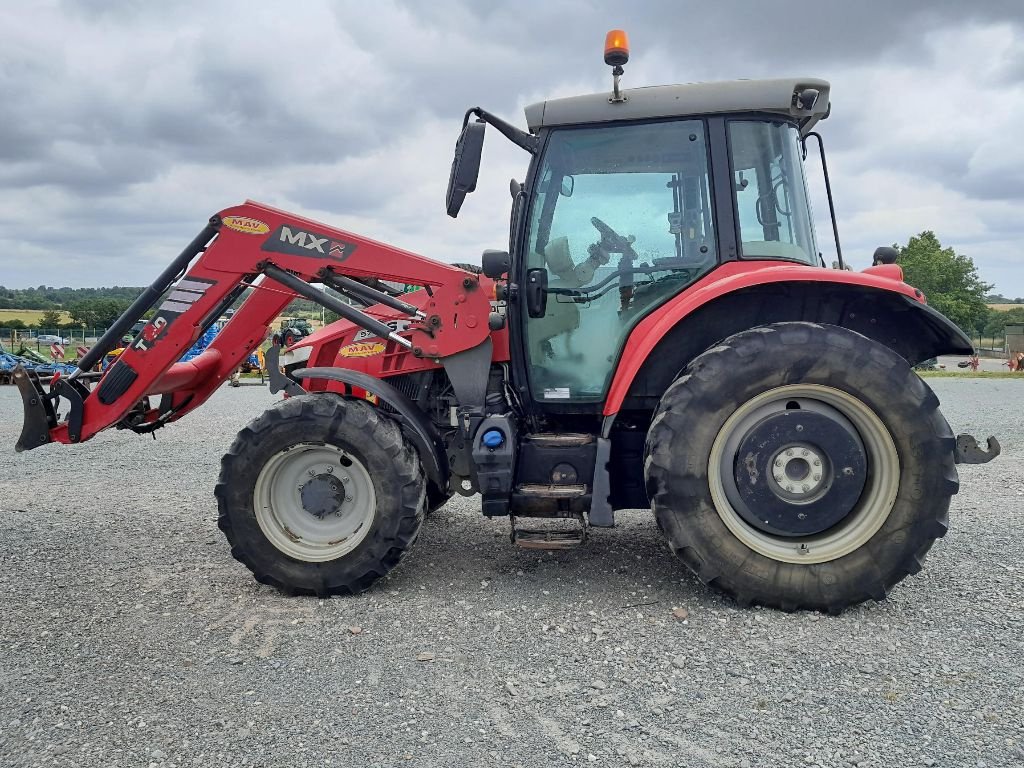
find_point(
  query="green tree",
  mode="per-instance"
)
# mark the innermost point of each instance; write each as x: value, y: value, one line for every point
x: 97, y: 313
x: 108, y: 310
x: 998, y: 320
x: 950, y: 280
x: 51, y: 319
x: 84, y: 312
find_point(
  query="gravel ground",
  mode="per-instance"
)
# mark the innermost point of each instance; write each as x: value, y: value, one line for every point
x: 130, y: 637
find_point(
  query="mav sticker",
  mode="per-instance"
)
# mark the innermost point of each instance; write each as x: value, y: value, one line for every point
x: 361, y: 349
x: 246, y: 225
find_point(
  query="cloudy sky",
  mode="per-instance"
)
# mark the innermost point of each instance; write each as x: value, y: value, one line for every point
x: 125, y: 124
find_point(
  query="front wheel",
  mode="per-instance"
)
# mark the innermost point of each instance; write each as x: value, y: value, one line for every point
x: 800, y: 466
x: 321, y: 495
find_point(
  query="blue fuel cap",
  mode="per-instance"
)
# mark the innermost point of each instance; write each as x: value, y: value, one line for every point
x: 493, y: 438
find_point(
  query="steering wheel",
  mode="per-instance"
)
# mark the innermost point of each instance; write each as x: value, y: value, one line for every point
x: 612, y: 242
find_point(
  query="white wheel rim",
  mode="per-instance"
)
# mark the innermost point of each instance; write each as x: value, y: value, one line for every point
x: 294, y: 530
x: 870, y: 512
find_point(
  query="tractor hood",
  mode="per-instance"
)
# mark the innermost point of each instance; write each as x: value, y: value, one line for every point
x: 778, y: 96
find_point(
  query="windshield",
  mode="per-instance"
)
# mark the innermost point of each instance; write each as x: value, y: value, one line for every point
x: 772, y: 210
x: 621, y: 219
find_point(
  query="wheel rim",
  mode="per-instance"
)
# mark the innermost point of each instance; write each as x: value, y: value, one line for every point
x: 314, y: 502
x: 854, y: 527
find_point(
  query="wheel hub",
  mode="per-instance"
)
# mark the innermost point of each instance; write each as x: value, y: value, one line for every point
x: 323, y: 495
x: 798, y: 472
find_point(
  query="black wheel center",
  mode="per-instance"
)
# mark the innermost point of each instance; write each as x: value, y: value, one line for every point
x: 798, y: 469
x: 323, y: 495
x: 798, y: 472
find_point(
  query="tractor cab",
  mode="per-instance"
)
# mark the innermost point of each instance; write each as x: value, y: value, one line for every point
x: 632, y: 197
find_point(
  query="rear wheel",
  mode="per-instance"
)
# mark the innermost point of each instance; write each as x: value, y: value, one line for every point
x: 800, y: 466
x: 320, y: 495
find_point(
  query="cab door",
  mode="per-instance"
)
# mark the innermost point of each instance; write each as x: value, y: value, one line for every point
x: 620, y: 220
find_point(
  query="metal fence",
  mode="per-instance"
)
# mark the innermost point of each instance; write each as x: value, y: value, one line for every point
x: 29, y: 338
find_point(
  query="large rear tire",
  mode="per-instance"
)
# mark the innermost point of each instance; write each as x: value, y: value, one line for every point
x: 800, y: 466
x: 320, y: 495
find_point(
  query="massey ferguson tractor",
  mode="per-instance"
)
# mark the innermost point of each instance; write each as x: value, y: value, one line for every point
x: 661, y: 333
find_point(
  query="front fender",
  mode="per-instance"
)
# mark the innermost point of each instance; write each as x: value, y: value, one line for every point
x: 414, y: 423
x: 741, y: 295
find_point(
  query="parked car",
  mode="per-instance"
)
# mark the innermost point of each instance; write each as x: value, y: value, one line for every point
x: 50, y: 338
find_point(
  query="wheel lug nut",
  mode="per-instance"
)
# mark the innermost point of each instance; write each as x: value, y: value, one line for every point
x: 803, y: 451
x: 778, y: 462
x: 817, y: 478
x: 817, y: 462
x: 789, y: 451
x: 312, y: 473
x: 804, y: 487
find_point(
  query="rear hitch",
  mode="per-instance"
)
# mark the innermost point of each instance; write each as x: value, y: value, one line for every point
x: 968, y: 452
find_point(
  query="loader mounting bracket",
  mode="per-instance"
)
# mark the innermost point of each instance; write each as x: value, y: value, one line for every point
x: 968, y: 452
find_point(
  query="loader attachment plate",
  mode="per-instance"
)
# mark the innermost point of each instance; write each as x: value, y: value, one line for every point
x: 39, y: 414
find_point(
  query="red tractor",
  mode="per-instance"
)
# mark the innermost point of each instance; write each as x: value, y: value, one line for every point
x: 661, y: 333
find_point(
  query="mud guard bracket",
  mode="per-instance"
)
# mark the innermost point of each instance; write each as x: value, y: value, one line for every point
x: 277, y: 381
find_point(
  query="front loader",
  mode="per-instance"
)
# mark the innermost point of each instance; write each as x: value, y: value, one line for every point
x: 661, y: 333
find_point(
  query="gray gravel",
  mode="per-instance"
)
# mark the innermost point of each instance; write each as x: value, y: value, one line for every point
x: 129, y: 637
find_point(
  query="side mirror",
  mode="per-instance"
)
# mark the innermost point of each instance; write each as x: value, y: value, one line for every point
x: 885, y: 255
x: 465, y: 166
x: 536, y: 292
x: 494, y: 264
x: 567, y: 186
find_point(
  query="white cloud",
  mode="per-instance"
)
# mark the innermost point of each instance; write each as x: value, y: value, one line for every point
x: 126, y: 125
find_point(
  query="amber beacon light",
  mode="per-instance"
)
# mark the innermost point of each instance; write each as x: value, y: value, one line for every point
x: 616, y: 53
x: 616, y: 48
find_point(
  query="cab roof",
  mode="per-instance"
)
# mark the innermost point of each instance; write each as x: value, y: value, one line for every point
x: 777, y: 96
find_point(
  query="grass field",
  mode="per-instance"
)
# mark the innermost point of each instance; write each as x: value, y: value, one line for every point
x: 28, y: 316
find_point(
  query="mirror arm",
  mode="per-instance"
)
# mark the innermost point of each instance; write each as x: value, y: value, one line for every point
x: 828, y: 191
x: 521, y: 139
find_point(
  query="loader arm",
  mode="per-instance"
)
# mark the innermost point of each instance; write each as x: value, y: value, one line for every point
x: 278, y: 255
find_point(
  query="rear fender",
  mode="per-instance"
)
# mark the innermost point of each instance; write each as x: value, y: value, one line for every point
x: 739, y: 296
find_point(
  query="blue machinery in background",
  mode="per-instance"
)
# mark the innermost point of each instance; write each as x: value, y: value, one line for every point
x: 38, y: 364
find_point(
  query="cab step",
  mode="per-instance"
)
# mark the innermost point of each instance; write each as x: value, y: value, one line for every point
x: 560, y: 440
x: 538, y: 491
x: 552, y: 534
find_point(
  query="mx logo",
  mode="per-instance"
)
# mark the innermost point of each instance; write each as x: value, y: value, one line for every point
x: 301, y: 243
